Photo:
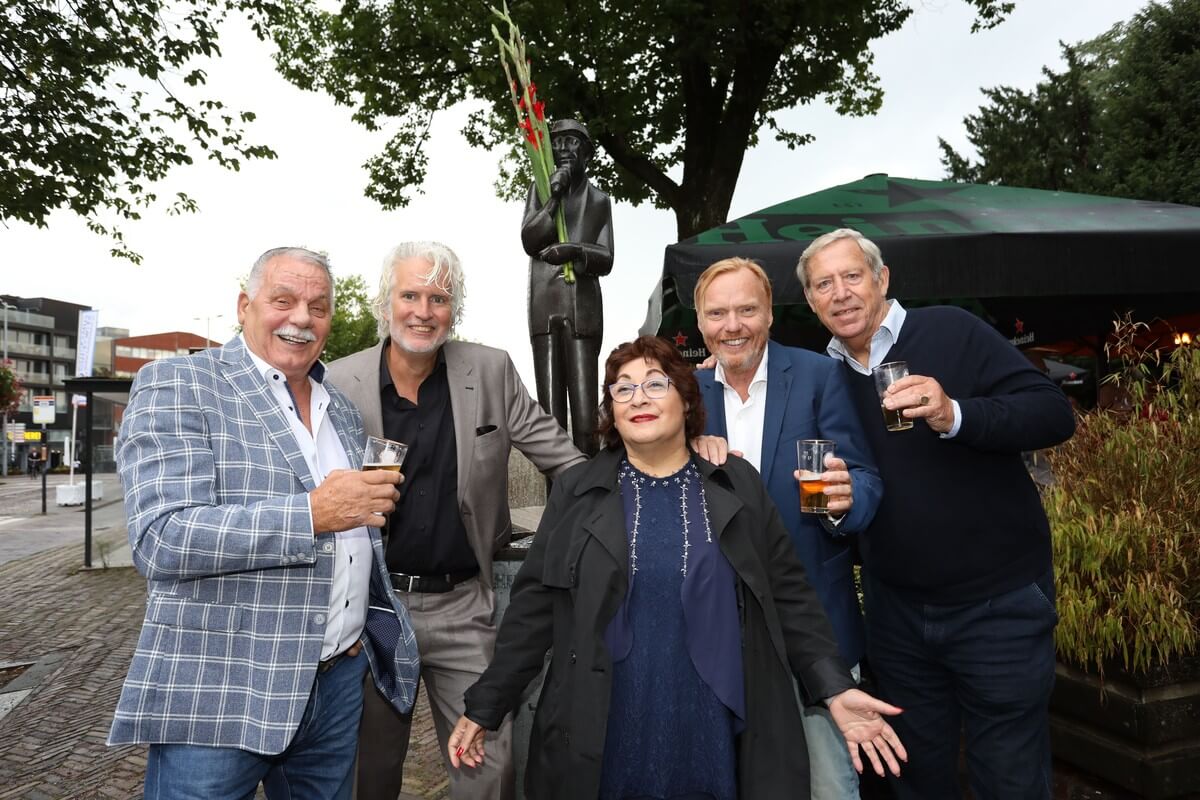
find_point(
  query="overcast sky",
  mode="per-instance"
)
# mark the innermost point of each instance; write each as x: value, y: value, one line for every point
x: 312, y: 195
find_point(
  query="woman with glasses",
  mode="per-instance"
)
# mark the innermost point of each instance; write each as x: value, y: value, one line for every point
x: 677, y: 613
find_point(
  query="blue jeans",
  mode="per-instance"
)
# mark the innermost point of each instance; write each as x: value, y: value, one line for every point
x: 318, y: 764
x: 985, y: 667
x: 831, y: 774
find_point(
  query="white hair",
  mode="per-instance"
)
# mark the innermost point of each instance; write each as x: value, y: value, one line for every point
x: 869, y: 248
x: 445, y: 273
x: 258, y: 271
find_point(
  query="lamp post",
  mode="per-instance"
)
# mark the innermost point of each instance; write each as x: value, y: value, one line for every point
x: 208, y: 327
x: 4, y: 362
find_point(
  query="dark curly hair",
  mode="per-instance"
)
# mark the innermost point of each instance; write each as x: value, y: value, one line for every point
x: 680, y: 372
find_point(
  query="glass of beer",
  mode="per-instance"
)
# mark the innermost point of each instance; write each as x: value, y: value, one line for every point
x: 810, y: 458
x: 383, y: 454
x: 885, y: 375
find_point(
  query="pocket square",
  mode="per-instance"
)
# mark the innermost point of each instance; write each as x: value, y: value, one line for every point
x: 485, y: 429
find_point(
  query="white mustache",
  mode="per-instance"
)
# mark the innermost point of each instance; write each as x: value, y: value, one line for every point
x: 296, y: 333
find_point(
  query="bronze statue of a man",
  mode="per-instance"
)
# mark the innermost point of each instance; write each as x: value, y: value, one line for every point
x: 566, y: 320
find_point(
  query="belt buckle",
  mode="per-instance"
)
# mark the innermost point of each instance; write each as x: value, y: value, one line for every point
x: 412, y: 580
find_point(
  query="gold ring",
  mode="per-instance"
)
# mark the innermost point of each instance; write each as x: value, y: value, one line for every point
x: 924, y: 400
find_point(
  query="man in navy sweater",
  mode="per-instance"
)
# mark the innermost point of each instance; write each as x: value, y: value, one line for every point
x: 763, y: 397
x: 959, y: 585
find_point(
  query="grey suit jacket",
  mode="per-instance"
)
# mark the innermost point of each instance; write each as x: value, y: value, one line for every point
x: 493, y: 413
x: 216, y: 492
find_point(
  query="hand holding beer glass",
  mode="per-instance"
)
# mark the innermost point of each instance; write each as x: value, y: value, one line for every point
x: 383, y: 454
x: 810, y: 458
x: 885, y: 375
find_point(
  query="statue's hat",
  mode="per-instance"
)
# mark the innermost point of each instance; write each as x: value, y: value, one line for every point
x: 570, y: 126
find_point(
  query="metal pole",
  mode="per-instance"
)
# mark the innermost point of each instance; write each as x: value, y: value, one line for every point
x: 4, y: 363
x: 45, y: 462
x: 208, y: 328
x: 87, y: 482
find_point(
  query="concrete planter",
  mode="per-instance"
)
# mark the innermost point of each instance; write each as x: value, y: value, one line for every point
x: 1139, y: 731
x: 68, y: 495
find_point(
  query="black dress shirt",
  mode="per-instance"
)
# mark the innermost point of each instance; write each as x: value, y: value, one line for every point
x: 425, y: 533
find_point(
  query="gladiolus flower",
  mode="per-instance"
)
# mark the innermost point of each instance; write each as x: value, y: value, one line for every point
x: 539, y: 111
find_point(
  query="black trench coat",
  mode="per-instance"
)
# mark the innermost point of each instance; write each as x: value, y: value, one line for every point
x: 571, y: 585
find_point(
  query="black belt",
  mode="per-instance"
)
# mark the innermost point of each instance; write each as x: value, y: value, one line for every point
x: 330, y: 663
x: 434, y: 584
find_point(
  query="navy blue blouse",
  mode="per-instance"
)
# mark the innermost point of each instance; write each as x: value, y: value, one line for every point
x: 677, y: 695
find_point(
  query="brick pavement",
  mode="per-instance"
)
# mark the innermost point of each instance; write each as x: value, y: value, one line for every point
x: 78, y: 629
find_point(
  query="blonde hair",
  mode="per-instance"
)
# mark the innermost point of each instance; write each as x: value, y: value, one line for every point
x: 727, y: 265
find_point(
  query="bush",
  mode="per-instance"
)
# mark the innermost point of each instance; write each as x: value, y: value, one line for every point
x: 1125, y: 516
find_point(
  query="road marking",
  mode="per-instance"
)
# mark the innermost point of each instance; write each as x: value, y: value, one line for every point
x: 10, y: 700
x: 6, y: 520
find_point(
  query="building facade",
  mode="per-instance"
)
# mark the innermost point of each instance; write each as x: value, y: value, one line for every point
x: 40, y: 342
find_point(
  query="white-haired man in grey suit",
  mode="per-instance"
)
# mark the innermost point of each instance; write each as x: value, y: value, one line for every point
x: 259, y: 540
x: 460, y: 407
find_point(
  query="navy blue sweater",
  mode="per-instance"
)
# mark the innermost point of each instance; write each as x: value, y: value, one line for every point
x: 960, y: 518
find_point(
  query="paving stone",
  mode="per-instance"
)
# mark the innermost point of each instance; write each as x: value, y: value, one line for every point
x: 79, y: 628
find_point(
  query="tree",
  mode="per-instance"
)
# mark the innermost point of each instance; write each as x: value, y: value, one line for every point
x: 1122, y: 119
x: 353, y: 327
x: 674, y: 92
x: 1042, y: 139
x: 93, y: 110
x: 10, y: 391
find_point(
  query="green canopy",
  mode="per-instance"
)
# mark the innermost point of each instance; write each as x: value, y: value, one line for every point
x: 1039, y: 265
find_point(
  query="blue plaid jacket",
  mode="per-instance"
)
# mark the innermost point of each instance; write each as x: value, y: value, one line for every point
x: 238, y: 588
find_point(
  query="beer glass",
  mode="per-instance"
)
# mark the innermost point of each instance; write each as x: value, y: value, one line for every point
x: 885, y: 375
x: 383, y: 454
x: 810, y: 458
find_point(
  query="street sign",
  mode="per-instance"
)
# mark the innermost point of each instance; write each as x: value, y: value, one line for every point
x: 16, y: 431
x: 33, y: 436
x: 79, y: 400
x: 43, y: 409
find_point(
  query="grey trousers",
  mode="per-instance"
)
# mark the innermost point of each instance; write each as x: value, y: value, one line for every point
x: 456, y: 639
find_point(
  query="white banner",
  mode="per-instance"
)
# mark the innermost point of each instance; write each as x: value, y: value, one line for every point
x: 85, y: 343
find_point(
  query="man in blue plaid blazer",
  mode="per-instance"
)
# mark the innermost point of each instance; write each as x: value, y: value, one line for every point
x: 267, y: 592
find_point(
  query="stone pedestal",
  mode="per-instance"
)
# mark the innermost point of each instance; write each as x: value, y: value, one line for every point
x: 1141, y: 732
x: 504, y: 570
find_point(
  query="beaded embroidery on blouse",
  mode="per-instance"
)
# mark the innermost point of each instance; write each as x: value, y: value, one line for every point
x: 628, y: 475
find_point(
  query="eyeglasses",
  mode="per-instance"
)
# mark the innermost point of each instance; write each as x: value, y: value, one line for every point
x: 654, y: 389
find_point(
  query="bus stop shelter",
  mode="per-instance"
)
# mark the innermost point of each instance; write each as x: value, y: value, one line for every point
x: 117, y: 391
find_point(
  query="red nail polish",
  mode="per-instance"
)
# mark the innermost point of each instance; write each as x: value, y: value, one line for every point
x: 458, y: 753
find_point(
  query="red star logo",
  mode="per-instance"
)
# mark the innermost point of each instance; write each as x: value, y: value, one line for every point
x: 1019, y: 326
x: 680, y: 339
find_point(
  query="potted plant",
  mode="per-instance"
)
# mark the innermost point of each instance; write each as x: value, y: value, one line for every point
x: 1125, y: 516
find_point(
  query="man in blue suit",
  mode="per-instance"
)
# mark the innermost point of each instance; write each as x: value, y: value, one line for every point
x: 258, y: 535
x: 764, y: 397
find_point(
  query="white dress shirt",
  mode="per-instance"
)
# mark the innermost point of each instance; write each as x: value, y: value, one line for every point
x: 883, y: 340
x: 323, y: 452
x: 744, y: 421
